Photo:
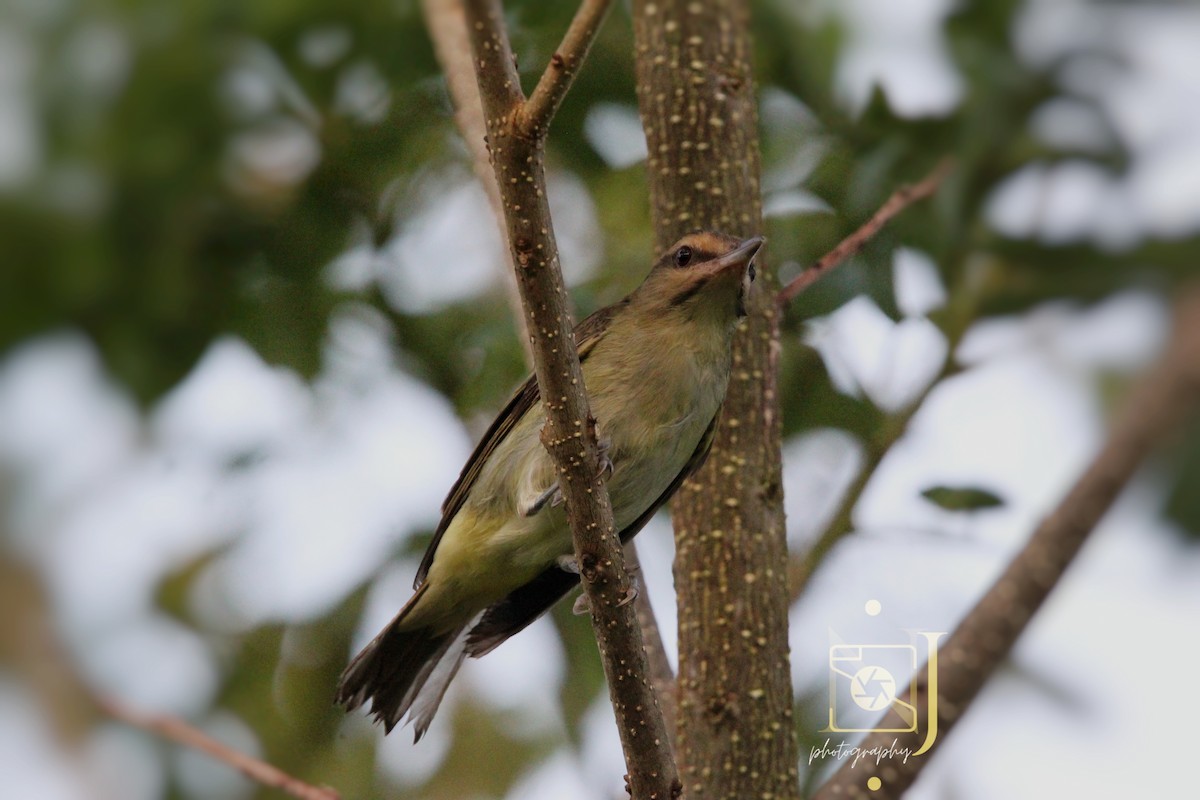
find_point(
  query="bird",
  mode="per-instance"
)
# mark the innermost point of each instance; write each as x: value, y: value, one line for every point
x: 656, y: 367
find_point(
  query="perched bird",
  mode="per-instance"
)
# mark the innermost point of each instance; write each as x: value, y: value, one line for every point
x: 656, y: 366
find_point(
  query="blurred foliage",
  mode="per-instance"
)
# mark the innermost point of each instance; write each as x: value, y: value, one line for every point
x: 962, y: 498
x: 203, y: 163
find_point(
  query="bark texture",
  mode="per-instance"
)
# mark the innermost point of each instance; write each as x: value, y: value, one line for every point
x: 736, y: 736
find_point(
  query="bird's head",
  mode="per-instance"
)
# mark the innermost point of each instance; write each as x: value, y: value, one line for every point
x: 704, y: 275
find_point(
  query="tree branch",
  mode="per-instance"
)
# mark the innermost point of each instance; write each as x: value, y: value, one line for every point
x: 1161, y: 403
x: 735, y: 732
x: 569, y: 432
x: 547, y: 96
x: 662, y: 677
x: 901, y: 199
x: 180, y: 732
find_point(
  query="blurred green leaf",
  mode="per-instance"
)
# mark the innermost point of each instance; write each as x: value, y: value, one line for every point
x: 962, y: 498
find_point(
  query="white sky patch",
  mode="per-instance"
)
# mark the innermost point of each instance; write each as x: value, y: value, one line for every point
x: 336, y: 503
x: 398, y: 760
x: 615, y: 132
x: 152, y: 663
x: 864, y: 350
x: 448, y: 249
x: 600, y: 759
x: 900, y: 47
x: 556, y: 777
x: 232, y: 404
x: 1123, y: 332
x: 25, y: 739
x: 817, y: 469
x: 119, y: 761
x: 919, y: 287
x: 203, y: 777
x: 64, y: 428
x: 978, y: 429
x: 521, y: 678
x: 1138, y: 63
x: 792, y: 202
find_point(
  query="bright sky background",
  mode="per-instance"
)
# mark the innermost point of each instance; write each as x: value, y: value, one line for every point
x: 341, y: 470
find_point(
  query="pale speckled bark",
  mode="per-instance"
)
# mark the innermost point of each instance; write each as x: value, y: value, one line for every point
x: 1163, y: 400
x: 736, y: 737
x: 516, y: 131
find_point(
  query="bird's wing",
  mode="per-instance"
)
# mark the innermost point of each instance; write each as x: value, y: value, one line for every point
x: 522, y: 606
x: 587, y: 334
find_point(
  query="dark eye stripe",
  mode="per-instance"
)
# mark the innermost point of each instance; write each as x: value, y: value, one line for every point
x: 687, y: 294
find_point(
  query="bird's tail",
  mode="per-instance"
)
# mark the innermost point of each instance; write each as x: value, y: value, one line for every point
x: 404, y: 671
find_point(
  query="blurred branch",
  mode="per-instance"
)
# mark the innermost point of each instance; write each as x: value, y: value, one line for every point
x: 180, y: 732
x: 31, y: 650
x: 661, y: 676
x: 447, y: 27
x: 1163, y: 400
x: 901, y: 199
x: 517, y: 156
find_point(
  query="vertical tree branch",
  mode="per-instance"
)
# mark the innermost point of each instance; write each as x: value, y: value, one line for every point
x: 735, y: 737
x: 569, y: 435
x: 1163, y: 400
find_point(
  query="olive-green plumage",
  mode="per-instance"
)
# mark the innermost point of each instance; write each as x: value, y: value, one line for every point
x: 656, y: 366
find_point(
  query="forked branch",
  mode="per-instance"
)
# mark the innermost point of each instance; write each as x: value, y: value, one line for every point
x: 516, y: 129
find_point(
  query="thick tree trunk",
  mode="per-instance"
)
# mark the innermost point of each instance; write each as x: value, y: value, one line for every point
x: 736, y: 737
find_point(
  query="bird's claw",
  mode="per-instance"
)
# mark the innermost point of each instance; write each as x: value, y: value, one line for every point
x: 567, y: 563
x: 582, y: 606
x: 606, y: 464
x: 553, y: 496
x: 631, y: 594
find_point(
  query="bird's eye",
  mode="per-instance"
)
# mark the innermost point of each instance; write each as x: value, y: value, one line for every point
x: 682, y: 256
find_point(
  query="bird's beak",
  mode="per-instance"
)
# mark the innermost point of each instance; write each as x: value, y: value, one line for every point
x: 738, y: 259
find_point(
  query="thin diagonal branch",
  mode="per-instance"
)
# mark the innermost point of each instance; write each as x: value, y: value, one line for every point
x: 180, y: 732
x: 901, y: 199
x: 1162, y: 402
x: 569, y: 433
x: 547, y: 96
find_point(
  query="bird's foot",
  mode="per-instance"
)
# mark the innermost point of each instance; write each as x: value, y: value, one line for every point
x: 567, y: 563
x: 553, y: 496
x: 606, y: 465
x: 631, y: 593
x: 582, y: 606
